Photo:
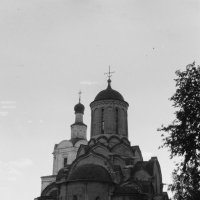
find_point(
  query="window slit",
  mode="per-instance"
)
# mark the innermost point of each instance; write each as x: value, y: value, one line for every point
x: 116, y: 120
x: 102, y: 121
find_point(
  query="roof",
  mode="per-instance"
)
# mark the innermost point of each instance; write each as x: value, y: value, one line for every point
x: 90, y: 172
x: 109, y: 93
x: 79, y: 108
x: 62, y: 173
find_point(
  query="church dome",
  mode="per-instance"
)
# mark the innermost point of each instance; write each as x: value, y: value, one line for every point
x: 108, y: 94
x: 79, y: 108
x: 90, y: 172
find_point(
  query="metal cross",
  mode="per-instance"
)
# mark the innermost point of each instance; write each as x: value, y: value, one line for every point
x: 79, y: 96
x: 109, y: 74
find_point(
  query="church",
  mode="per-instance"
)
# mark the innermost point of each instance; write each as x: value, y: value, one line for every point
x: 106, y: 167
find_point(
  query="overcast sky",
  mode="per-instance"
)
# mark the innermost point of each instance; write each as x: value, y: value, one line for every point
x: 50, y: 49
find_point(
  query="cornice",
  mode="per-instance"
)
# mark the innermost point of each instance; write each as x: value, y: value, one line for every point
x: 109, y: 102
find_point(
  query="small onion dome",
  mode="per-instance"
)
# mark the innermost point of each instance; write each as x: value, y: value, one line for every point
x: 90, y: 172
x: 79, y: 108
x: 109, y: 93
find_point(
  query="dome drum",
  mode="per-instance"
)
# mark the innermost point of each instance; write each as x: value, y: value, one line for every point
x: 109, y: 117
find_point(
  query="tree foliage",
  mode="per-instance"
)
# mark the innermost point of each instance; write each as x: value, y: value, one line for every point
x: 182, y: 136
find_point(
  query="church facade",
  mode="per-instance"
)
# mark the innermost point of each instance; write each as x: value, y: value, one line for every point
x: 107, y: 167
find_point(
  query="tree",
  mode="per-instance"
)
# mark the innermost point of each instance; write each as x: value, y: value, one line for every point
x: 182, y: 136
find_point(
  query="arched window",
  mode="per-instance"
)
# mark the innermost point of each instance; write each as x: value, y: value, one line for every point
x: 102, y: 121
x: 97, y: 198
x: 65, y: 162
x: 95, y: 114
x: 116, y: 119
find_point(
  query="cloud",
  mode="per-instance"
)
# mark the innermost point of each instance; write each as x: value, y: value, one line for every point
x: 29, y: 121
x: 11, y: 170
x: 12, y: 179
x: 14, y: 172
x: 21, y: 163
x: 7, y: 102
x: 88, y: 83
x: 5, y: 106
x: 8, y: 106
x: 3, y: 188
x: 3, y: 113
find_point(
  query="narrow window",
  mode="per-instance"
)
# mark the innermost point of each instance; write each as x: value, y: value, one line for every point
x: 97, y: 198
x: 116, y: 119
x: 102, y: 121
x: 65, y: 162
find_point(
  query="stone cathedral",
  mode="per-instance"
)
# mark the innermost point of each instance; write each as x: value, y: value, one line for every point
x: 106, y: 167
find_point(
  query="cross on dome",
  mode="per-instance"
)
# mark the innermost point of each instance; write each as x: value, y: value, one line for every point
x: 79, y: 107
x: 109, y: 74
x: 79, y: 96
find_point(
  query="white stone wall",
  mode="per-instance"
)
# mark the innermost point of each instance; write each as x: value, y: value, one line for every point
x: 65, y: 149
x: 78, y: 131
x: 79, y: 117
x: 47, y: 180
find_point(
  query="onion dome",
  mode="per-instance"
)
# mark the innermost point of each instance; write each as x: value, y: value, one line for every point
x: 109, y: 93
x: 79, y: 108
x: 90, y: 172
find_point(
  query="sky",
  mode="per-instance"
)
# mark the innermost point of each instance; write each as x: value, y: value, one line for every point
x: 51, y: 49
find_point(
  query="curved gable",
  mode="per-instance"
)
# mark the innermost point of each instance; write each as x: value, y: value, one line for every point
x: 90, y: 172
x: 50, y: 190
x: 82, y: 150
x: 103, y: 139
x: 91, y: 142
x: 93, y: 158
x: 113, y: 140
x: 125, y: 140
x: 101, y: 149
x: 137, y: 153
x: 78, y: 143
x: 122, y: 149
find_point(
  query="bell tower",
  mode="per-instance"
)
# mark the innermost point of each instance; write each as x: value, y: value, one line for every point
x: 79, y: 129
